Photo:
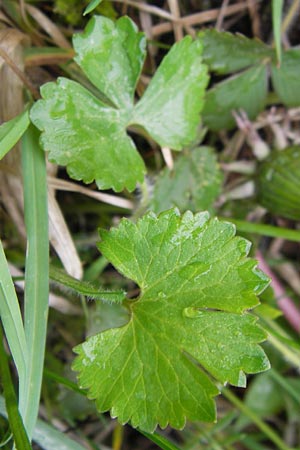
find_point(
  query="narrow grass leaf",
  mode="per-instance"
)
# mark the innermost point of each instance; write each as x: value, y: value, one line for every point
x: 15, y: 420
x: 64, y: 382
x: 285, y: 384
x: 84, y: 288
x: 91, y: 6
x: 49, y: 438
x: 46, y: 436
x: 225, y: 52
x: 12, y: 131
x: 263, y: 426
x: 11, y: 318
x: 36, y: 274
x: 277, y: 6
x: 265, y: 230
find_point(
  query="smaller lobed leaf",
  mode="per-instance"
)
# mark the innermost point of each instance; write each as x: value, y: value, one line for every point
x: 194, y: 183
x: 87, y: 136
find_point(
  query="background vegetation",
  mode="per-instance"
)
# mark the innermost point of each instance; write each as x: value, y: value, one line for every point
x: 251, y: 111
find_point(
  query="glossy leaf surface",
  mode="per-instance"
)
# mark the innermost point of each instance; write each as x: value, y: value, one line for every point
x: 170, y: 108
x: 88, y: 135
x: 246, y: 91
x: 225, y: 52
x: 112, y: 55
x: 196, y: 284
x: 194, y: 183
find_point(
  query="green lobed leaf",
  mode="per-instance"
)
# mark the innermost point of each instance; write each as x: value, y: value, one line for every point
x: 170, y: 108
x: 88, y: 135
x: 246, y: 91
x: 112, y: 55
x: 285, y: 79
x: 225, y: 52
x: 194, y: 183
x: 190, y: 322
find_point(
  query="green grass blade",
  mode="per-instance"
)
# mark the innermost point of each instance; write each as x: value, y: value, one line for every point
x: 15, y: 420
x: 91, y: 6
x: 264, y: 230
x: 159, y: 440
x: 277, y: 6
x: 84, y: 288
x: 36, y: 274
x: 11, y: 318
x: 286, y: 385
x: 46, y: 436
x: 12, y: 131
x: 263, y: 426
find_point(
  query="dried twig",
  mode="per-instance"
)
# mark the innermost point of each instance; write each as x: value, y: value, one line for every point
x: 221, y: 15
x: 100, y: 196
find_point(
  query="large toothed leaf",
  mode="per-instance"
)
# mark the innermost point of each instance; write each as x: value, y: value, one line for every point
x: 225, y: 52
x: 87, y: 136
x: 189, y: 321
x: 246, y: 91
x: 170, y: 108
x: 112, y: 55
x: 194, y: 183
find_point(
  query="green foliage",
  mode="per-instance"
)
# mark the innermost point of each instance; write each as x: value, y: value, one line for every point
x: 72, y: 10
x: 277, y: 8
x: 160, y: 355
x: 194, y: 183
x: 196, y: 286
x: 263, y: 397
x: 11, y: 131
x: 226, y: 53
x: 278, y: 182
x: 88, y: 135
x: 91, y: 6
x: 84, y: 288
x: 15, y: 420
x: 246, y: 91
